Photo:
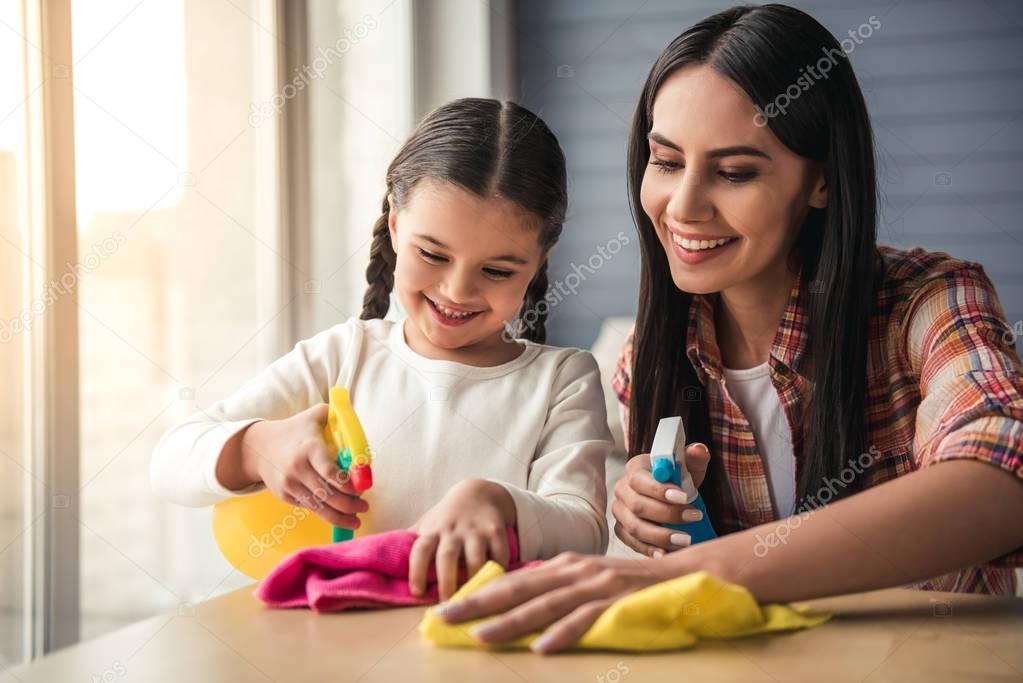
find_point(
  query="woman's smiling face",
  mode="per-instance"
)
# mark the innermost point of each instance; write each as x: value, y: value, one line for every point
x: 463, y: 266
x: 713, y: 174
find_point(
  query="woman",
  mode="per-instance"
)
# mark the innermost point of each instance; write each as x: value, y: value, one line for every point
x: 889, y: 389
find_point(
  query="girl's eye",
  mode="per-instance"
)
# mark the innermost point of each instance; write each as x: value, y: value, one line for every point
x: 432, y: 258
x: 665, y: 166
x: 738, y: 176
x: 497, y: 273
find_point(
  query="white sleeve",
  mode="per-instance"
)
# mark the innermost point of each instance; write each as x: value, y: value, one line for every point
x: 564, y: 505
x: 183, y: 468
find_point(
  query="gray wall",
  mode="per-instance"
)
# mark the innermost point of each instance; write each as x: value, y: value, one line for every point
x: 943, y: 80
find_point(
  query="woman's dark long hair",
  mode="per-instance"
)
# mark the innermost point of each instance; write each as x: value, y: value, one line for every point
x: 489, y: 148
x: 764, y: 50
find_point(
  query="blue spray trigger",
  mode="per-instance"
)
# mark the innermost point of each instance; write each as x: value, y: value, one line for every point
x: 662, y: 470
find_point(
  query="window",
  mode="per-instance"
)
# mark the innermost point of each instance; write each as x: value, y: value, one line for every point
x: 15, y: 480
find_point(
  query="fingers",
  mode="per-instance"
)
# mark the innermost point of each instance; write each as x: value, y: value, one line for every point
x: 449, y: 550
x: 537, y: 613
x: 568, y: 630
x: 420, y: 560
x: 497, y: 541
x: 323, y: 459
x: 656, y: 511
x: 642, y: 482
x: 475, y: 554
x: 640, y: 535
x: 697, y: 461
x: 510, y: 590
x: 637, y: 545
x: 337, y: 508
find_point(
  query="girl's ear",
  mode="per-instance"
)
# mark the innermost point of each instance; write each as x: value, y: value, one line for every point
x: 392, y: 220
x: 819, y: 196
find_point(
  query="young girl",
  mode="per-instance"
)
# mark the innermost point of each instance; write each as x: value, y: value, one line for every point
x: 817, y: 367
x: 471, y: 430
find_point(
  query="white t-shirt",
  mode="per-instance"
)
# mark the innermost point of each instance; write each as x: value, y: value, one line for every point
x: 535, y: 424
x: 753, y: 392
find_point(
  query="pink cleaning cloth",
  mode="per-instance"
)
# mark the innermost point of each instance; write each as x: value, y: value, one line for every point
x: 371, y: 571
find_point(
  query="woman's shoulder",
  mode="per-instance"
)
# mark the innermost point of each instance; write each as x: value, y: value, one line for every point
x: 908, y: 270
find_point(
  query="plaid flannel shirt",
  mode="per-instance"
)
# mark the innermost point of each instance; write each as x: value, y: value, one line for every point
x: 944, y: 382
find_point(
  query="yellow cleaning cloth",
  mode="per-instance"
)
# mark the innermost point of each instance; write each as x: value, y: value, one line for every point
x: 666, y: 616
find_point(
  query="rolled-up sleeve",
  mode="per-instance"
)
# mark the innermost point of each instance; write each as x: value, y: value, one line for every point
x: 971, y: 378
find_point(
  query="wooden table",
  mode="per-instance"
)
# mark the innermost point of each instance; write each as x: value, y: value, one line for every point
x: 893, y: 635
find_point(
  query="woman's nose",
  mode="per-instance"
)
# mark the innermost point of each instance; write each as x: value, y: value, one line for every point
x: 689, y: 202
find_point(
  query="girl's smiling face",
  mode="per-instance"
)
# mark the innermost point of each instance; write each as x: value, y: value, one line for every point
x: 713, y: 174
x: 463, y: 266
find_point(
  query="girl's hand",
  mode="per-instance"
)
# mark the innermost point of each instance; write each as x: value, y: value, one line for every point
x: 564, y: 596
x: 470, y: 520
x: 642, y: 504
x: 298, y: 466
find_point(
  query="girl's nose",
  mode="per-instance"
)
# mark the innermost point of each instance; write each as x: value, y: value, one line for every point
x: 461, y: 287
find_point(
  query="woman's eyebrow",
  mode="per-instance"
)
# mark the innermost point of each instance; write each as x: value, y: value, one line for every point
x: 734, y: 150
x: 510, y: 258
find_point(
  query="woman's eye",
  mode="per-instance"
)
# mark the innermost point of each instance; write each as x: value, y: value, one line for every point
x: 497, y: 273
x: 665, y: 166
x: 738, y: 176
x: 433, y: 258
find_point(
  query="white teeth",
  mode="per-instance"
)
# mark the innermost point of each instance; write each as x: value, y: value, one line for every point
x: 697, y: 245
x: 451, y: 313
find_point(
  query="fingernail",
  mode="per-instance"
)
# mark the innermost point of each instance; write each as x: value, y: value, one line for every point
x: 681, y: 539
x: 658, y: 553
x: 481, y: 632
x: 691, y: 515
x: 703, y: 446
x: 541, y: 644
x: 676, y: 496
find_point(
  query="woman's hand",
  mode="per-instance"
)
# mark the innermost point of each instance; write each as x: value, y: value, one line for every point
x: 297, y: 465
x: 564, y: 596
x: 469, y: 521
x: 642, y: 504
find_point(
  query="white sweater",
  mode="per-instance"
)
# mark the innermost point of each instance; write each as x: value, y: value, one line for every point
x: 535, y: 424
